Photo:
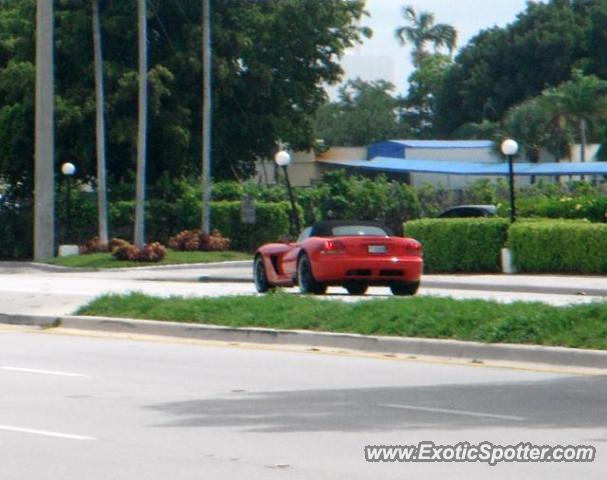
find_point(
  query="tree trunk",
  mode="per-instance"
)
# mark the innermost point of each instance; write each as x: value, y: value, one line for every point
x: 583, y: 125
x: 100, y: 126
x: 142, y: 124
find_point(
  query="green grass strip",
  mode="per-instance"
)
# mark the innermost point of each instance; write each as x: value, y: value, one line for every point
x: 580, y: 326
x: 105, y: 260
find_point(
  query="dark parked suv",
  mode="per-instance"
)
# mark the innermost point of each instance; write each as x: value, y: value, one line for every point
x: 463, y: 211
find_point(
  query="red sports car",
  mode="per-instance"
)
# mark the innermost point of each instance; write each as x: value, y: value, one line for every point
x: 353, y: 254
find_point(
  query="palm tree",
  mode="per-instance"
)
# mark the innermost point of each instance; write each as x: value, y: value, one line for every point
x: 422, y: 30
x: 142, y: 124
x: 99, y: 97
x: 580, y: 102
x: 528, y: 122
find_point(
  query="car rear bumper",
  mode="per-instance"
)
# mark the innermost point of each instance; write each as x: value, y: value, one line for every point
x: 380, y: 270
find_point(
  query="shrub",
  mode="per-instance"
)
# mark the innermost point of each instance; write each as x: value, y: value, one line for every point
x: 460, y: 244
x: 93, y: 246
x: 559, y: 246
x: 193, y: 240
x: 272, y: 222
x: 340, y: 197
x: 593, y: 208
x: 151, y: 252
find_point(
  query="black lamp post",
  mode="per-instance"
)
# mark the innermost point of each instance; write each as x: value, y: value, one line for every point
x: 510, y: 148
x: 68, y: 169
x: 283, y: 159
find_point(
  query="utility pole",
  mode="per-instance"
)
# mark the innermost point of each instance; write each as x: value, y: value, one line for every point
x: 100, y: 127
x: 44, y: 177
x: 142, y: 124
x: 206, y: 116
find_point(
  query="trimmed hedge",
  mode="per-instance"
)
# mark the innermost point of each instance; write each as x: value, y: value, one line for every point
x: 559, y: 246
x: 460, y: 244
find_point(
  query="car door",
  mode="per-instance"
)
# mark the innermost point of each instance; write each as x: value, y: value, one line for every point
x: 289, y: 261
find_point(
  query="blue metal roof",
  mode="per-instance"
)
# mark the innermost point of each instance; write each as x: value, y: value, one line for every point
x: 444, y: 143
x: 388, y: 164
x: 398, y: 148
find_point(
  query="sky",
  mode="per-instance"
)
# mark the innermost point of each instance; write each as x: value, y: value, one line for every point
x: 383, y: 56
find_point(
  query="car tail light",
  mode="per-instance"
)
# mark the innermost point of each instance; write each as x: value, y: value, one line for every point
x: 333, y: 247
x: 413, y: 247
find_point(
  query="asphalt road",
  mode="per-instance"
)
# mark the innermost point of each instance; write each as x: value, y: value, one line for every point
x: 76, y: 407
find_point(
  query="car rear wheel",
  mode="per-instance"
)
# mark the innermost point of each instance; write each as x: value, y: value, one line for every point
x: 305, y: 277
x: 404, y: 288
x: 356, y: 288
x: 262, y: 284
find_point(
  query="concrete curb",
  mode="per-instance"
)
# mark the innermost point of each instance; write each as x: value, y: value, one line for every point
x: 183, y: 266
x: 454, y: 349
x: 523, y: 288
x: 442, y: 285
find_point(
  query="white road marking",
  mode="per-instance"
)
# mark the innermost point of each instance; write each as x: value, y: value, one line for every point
x: 455, y: 412
x: 44, y: 433
x: 43, y: 372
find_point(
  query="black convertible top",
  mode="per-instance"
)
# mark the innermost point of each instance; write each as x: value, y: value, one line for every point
x: 325, y: 228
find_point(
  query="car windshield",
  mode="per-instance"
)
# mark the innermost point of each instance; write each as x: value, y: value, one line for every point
x: 358, y: 230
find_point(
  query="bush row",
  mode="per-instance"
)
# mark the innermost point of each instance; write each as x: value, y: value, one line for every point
x: 163, y: 220
x: 460, y: 244
x: 559, y: 246
x: 538, y: 246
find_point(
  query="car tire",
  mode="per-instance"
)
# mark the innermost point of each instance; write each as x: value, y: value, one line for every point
x: 404, y: 288
x: 356, y: 288
x: 305, y: 277
x: 260, y: 278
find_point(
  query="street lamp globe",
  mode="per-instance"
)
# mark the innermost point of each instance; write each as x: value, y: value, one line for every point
x: 68, y: 169
x: 509, y: 147
x: 282, y: 158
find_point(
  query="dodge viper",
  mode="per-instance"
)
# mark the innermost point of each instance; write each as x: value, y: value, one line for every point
x: 352, y: 254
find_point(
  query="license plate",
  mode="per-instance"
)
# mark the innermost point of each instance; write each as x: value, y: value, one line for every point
x: 378, y: 249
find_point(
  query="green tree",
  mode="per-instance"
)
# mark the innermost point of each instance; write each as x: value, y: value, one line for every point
x: 582, y: 102
x: 422, y: 30
x: 502, y: 67
x: 364, y: 113
x: 271, y: 60
x: 425, y: 84
x: 528, y: 123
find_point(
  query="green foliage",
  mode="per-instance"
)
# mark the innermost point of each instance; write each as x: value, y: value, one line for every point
x: 271, y: 60
x: 16, y: 226
x: 363, y: 114
x: 422, y: 30
x: 460, y: 244
x: 559, y: 246
x: 341, y: 197
x: 424, y: 86
x: 593, y: 208
x: 272, y: 223
x: 541, y: 47
x: 165, y: 220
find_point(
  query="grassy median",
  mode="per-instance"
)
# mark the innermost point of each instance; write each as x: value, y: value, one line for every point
x: 581, y: 326
x: 105, y: 260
